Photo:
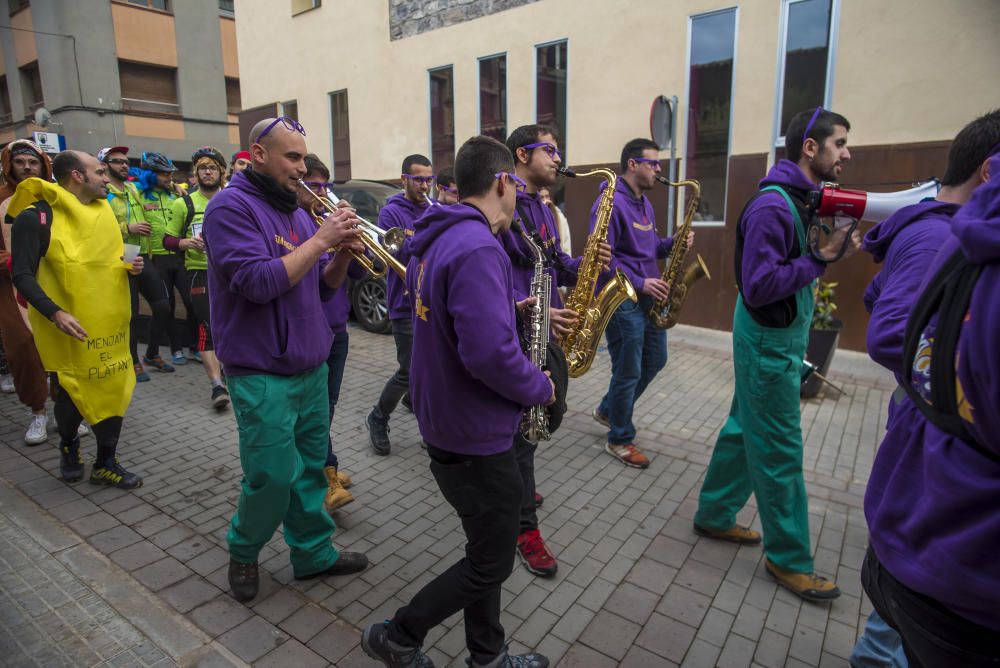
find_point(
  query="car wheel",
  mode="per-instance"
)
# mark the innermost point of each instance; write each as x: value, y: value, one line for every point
x: 368, y: 300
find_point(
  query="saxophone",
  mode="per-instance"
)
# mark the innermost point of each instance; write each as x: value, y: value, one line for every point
x: 535, y: 421
x: 593, y: 311
x: 665, y: 312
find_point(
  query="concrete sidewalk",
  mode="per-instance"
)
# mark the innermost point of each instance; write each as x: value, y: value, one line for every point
x: 635, y: 586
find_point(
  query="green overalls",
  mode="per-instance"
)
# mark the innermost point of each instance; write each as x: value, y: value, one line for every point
x: 759, y: 449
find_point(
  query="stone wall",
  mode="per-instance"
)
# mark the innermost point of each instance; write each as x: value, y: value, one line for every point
x: 412, y: 17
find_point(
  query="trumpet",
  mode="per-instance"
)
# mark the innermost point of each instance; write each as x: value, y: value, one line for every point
x: 390, y: 241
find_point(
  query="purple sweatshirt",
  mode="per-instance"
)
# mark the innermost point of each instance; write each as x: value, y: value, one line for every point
x: 469, y: 379
x: 399, y: 212
x: 522, y: 259
x: 635, y: 245
x: 769, y: 236
x: 906, y: 242
x: 261, y: 323
x: 338, y: 308
x: 931, y: 502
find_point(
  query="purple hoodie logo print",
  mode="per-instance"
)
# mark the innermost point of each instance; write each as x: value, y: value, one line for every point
x: 418, y: 303
x: 645, y: 226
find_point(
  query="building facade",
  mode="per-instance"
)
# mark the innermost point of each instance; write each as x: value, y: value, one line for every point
x: 376, y: 80
x: 154, y: 75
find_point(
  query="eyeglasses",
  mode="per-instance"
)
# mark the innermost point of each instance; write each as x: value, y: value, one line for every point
x: 550, y: 149
x: 316, y: 186
x: 519, y: 184
x: 809, y: 125
x: 209, y: 168
x: 117, y: 161
x: 448, y: 189
x: 418, y: 179
x: 652, y: 162
x: 290, y: 124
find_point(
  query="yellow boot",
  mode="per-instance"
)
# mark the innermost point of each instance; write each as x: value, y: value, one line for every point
x: 809, y: 586
x: 336, y: 495
x: 345, y: 480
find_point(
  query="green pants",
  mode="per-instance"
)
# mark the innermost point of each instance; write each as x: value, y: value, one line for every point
x: 284, y: 429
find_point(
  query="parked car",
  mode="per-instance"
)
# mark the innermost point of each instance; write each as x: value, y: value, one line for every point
x: 368, y: 295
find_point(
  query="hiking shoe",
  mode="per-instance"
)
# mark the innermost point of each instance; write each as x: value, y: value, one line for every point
x: 220, y: 397
x: 179, y: 358
x: 157, y: 363
x: 70, y: 462
x: 336, y: 495
x: 506, y: 660
x: 378, y: 434
x: 627, y: 454
x: 539, y: 500
x: 376, y: 644
x: 345, y: 480
x: 83, y: 430
x: 346, y: 563
x: 536, y: 554
x: 734, y: 534
x: 37, y: 433
x: 601, y: 417
x: 140, y: 374
x: 244, y: 581
x: 114, y: 474
x: 407, y: 404
x: 7, y: 383
x: 809, y: 586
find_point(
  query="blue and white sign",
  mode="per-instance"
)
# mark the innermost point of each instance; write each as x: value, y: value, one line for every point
x: 50, y: 142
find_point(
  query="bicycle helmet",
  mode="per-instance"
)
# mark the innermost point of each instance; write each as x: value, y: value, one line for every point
x: 157, y: 162
x: 209, y: 152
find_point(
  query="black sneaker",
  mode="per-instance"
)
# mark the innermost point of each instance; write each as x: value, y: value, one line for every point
x: 407, y: 404
x: 220, y: 397
x: 376, y: 644
x: 114, y: 474
x: 378, y: 434
x: 243, y: 580
x: 516, y: 661
x: 70, y: 462
x: 346, y: 563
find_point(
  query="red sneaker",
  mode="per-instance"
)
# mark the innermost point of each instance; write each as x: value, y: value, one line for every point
x: 628, y: 454
x: 535, y: 554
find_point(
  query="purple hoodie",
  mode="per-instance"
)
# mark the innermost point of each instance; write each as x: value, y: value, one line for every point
x: 769, y: 236
x: 635, y: 245
x: 261, y: 323
x: 906, y: 242
x: 522, y: 259
x: 399, y: 212
x: 469, y: 379
x: 338, y: 308
x: 931, y: 503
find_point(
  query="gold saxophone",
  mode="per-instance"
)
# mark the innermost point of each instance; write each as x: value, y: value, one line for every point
x: 665, y: 312
x: 593, y: 311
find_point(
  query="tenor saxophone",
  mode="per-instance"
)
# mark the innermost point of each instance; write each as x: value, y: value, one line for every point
x: 593, y: 311
x: 535, y: 421
x: 665, y: 312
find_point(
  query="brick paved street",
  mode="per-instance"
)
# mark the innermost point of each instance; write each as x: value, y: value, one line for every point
x: 635, y: 586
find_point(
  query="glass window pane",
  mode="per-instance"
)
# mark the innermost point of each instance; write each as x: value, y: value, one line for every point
x: 290, y: 109
x: 341, y: 131
x: 806, y: 55
x: 550, y: 89
x: 710, y: 95
x: 442, y: 118
x: 493, y: 97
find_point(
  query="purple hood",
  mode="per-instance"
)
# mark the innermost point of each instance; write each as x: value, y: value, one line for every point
x: 399, y: 212
x: 878, y: 238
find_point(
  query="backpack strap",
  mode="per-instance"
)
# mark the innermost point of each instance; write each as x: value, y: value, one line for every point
x: 190, y: 216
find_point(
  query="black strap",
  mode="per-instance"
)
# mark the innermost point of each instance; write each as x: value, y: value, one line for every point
x: 948, y: 296
x: 551, y: 258
x: 190, y: 216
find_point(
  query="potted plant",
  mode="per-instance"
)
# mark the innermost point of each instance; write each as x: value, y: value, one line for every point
x: 823, y: 337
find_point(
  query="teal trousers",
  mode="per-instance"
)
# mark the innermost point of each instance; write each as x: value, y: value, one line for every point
x: 284, y: 424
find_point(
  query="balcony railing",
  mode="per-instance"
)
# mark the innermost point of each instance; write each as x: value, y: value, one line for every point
x: 133, y: 104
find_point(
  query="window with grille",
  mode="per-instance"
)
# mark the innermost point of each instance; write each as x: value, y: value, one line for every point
x: 148, y: 87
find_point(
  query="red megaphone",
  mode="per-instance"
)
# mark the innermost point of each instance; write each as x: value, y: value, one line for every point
x: 833, y: 201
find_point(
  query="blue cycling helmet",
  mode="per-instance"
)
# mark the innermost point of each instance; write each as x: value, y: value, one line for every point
x: 157, y: 162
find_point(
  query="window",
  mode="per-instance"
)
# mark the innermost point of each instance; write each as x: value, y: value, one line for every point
x: 151, y: 4
x: 148, y: 87
x: 31, y: 87
x: 299, y: 6
x: 550, y: 89
x: 493, y: 97
x: 226, y: 7
x: 233, y: 105
x: 340, y: 131
x: 442, y: 117
x: 710, y: 100
x: 805, y: 64
x: 16, y: 5
x: 290, y: 109
x: 5, y: 113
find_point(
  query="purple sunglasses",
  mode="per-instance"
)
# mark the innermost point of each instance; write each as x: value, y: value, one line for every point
x: 290, y: 124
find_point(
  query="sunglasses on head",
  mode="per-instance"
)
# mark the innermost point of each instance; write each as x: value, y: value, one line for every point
x: 290, y: 124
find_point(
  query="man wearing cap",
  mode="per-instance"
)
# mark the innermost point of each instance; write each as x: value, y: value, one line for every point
x: 184, y: 233
x: 124, y: 199
x: 239, y: 162
x: 21, y: 159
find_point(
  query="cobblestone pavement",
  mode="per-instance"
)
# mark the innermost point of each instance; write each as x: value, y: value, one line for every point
x: 635, y: 586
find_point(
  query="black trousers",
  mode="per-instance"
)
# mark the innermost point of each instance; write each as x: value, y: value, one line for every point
x: 68, y: 419
x: 932, y: 634
x: 486, y: 494
x: 198, y: 295
x: 150, y: 286
x: 170, y: 267
x: 399, y: 384
x: 525, y: 452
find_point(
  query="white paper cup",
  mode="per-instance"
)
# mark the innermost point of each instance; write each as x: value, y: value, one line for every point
x: 131, y: 253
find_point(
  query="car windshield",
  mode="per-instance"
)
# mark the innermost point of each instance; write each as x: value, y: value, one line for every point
x: 367, y: 197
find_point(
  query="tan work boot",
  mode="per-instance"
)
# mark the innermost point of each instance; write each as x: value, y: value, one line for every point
x: 345, y: 480
x: 734, y: 534
x: 336, y: 495
x: 809, y: 586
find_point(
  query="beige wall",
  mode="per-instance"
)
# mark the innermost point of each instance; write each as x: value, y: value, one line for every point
x: 893, y: 75
x: 230, y: 63
x: 144, y: 36
x: 24, y: 42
